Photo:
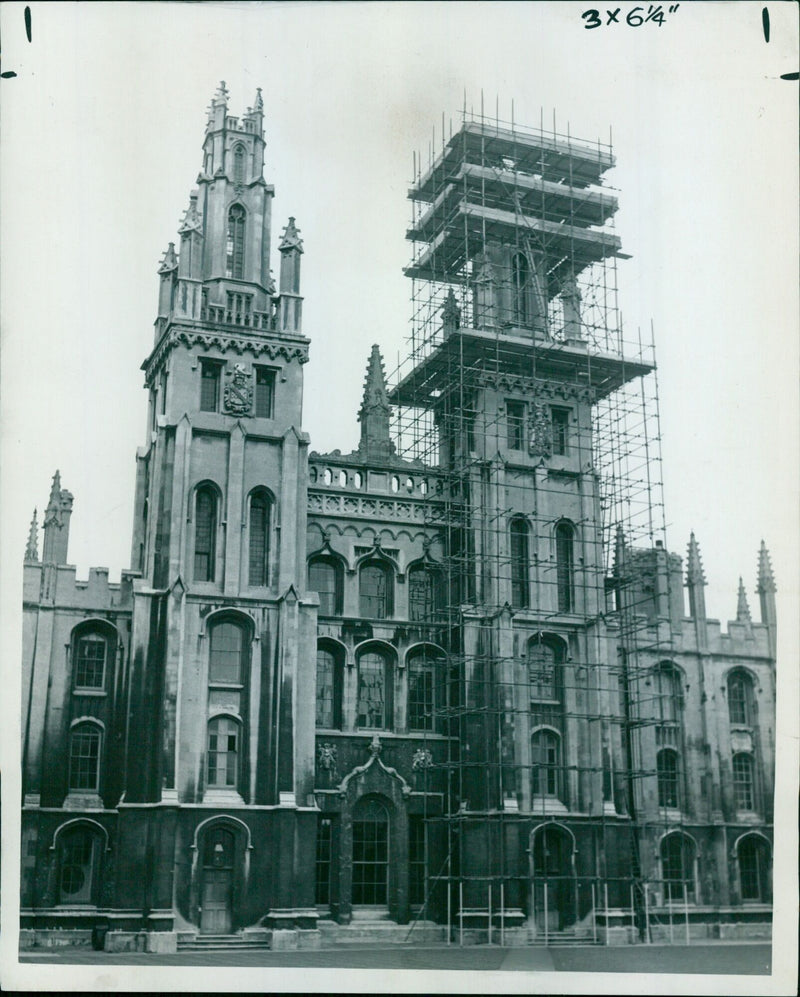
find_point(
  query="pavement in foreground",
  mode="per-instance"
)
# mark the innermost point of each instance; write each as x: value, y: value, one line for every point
x: 721, y: 958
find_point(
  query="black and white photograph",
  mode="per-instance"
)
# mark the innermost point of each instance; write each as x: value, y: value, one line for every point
x: 400, y: 429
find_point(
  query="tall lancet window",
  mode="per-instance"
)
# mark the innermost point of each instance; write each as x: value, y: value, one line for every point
x: 204, y: 534
x: 259, y: 539
x: 521, y: 279
x: 238, y: 164
x: 234, y: 266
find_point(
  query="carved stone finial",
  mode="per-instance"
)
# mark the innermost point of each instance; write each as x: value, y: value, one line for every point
x: 169, y: 261
x: 192, y: 220
x: 375, y: 745
x: 32, y: 548
x: 694, y: 565
x: 742, y: 609
x: 259, y: 104
x: 766, y: 579
x: 291, y: 237
x: 221, y: 96
x: 373, y: 415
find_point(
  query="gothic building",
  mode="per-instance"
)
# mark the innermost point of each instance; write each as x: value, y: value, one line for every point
x: 440, y: 687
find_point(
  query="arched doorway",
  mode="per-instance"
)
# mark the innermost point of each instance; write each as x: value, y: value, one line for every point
x: 216, y: 903
x: 80, y: 853
x: 553, y: 884
x: 370, y: 889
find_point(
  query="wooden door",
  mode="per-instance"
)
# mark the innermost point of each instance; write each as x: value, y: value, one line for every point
x: 217, y: 894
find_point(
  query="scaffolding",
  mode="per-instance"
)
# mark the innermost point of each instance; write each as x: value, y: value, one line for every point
x: 538, y: 416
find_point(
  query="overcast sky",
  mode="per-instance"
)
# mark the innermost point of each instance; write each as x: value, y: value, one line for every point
x: 102, y: 133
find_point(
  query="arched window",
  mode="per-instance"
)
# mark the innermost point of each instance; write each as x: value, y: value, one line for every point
x: 543, y: 662
x: 677, y: 867
x: 223, y: 752
x: 375, y: 590
x: 238, y: 164
x: 565, y: 581
x: 743, y: 781
x: 370, y: 853
x: 374, y: 690
x: 546, y: 763
x: 258, y: 560
x: 226, y: 654
x: 521, y: 278
x: 519, y: 533
x: 329, y: 688
x: 325, y: 577
x: 740, y: 699
x: 205, y: 530
x: 667, y: 772
x: 668, y: 704
x: 79, y: 854
x: 424, y: 593
x: 234, y: 266
x: 84, y: 757
x: 425, y: 678
x: 754, y: 877
x: 91, y: 650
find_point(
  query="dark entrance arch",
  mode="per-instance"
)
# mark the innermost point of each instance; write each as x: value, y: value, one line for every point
x: 554, y: 901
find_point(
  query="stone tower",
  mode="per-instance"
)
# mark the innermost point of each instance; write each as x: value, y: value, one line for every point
x: 222, y: 635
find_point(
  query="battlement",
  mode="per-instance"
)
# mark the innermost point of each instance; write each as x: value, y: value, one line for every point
x: 57, y: 585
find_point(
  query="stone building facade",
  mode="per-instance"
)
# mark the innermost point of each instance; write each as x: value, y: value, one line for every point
x: 275, y: 724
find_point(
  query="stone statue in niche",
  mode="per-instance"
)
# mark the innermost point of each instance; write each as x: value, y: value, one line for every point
x: 326, y: 756
x: 238, y: 390
x: 540, y: 431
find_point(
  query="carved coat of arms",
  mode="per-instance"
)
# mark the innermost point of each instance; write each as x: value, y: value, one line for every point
x: 540, y: 431
x: 238, y: 390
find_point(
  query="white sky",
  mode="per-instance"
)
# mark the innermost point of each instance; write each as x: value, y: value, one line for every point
x: 102, y: 133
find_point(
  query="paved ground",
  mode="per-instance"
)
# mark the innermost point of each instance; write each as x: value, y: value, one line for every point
x: 738, y: 959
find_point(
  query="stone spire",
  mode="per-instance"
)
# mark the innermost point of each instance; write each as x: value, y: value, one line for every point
x: 742, y: 609
x: 765, y: 587
x: 32, y: 548
x: 373, y: 415
x: 259, y: 103
x: 695, y: 580
x: 766, y: 580
x: 56, y: 523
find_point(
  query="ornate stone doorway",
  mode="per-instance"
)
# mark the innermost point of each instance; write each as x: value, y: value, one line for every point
x: 370, y: 890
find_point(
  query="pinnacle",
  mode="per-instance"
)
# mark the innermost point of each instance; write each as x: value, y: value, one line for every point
x: 742, y: 608
x: 695, y: 574
x: 55, y: 490
x: 291, y: 237
x: 374, y: 382
x: 169, y: 261
x: 766, y: 579
x: 32, y: 548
